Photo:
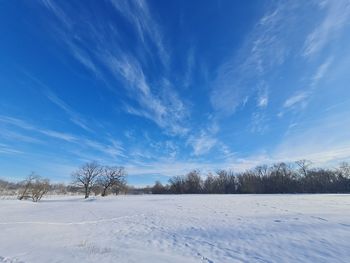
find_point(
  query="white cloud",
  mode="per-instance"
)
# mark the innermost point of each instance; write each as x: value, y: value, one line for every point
x: 158, y: 101
x: 171, y: 168
x: 58, y: 135
x: 26, y: 126
x: 75, y: 117
x: 165, y: 108
x: 113, y: 148
x: 300, y: 98
x: 323, y: 140
x: 321, y: 72
x: 263, y: 96
x: 263, y: 101
x: 80, y: 55
x: 139, y: 15
x: 14, y: 136
x: 296, y: 99
x: 51, y: 5
x: 337, y: 17
x: 265, y: 48
x: 5, y: 149
x: 202, y: 143
x: 259, y: 122
x: 63, y: 32
x: 16, y: 122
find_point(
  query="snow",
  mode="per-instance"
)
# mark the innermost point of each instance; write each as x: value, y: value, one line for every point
x: 170, y: 228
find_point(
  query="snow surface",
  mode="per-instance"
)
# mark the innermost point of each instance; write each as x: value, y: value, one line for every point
x: 169, y: 228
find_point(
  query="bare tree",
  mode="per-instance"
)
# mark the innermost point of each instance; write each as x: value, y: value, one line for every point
x: 262, y: 170
x: 303, y: 166
x: 193, y: 182
x: 86, y: 176
x: 34, y: 187
x: 226, y: 182
x: 24, y: 192
x: 159, y: 188
x: 209, y: 185
x: 39, y: 188
x: 177, y: 184
x: 109, y: 177
x: 344, y: 169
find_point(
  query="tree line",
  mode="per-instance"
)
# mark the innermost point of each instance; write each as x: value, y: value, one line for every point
x: 278, y: 178
x: 281, y: 177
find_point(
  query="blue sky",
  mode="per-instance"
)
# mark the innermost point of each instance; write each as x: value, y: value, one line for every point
x: 163, y: 87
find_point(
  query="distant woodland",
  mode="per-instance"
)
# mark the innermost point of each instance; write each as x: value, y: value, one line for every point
x: 279, y: 178
x: 95, y: 179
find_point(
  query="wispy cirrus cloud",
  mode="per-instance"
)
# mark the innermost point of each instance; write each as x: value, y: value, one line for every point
x: 11, y: 135
x: 64, y: 31
x: 140, y: 17
x: 205, y: 139
x: 263, y: 96
x: 202, y: 143
x: 321, y: 72
x: 6, y: 149
x: 300, y: 98
x: 157, y: 101
x: 74, y: 116
x: 337, y: 17
x: 296, y: 99
x: 268, y: 46
x: 16, y: 122
x: 111, y: 148
x: 259, y: 122
x: 24, y: 125
x: 165, y: 108
x: 59, y: 13
x: 325, y: 157
x: 264, y: 49
x: 321, y: 140
x: 263, y: 100
x: 58, y: 135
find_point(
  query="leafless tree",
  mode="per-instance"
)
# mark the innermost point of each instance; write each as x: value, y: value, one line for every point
x: 209, y: 185
x: 39, y: 188
x: 344, y: 169
x: 303, y: 166
x: 225, y: 182
x: 24, y: 192
x: 34, y: 187
x: 159, y: 188
x: 109, y: 177
x: 193, y: 182
x: 177, y: 184
x: 262, y: 170
x: 86, y: 176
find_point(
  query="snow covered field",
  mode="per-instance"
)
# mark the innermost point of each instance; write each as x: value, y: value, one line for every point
x: 187, y: 228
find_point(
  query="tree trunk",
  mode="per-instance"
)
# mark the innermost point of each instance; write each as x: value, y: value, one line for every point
x: 86, y: 192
